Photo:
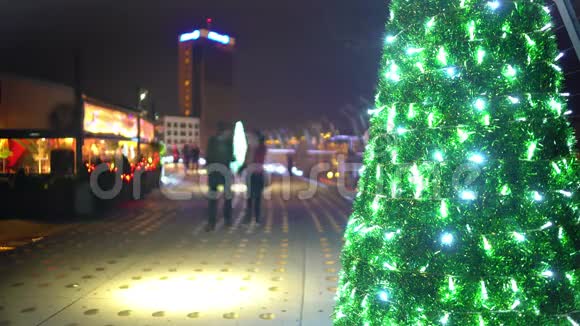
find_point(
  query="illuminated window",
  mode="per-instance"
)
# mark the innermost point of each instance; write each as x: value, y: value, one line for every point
x: 187, y: 112
x: 33, y: 155
x: 187, y: 97
x: 186, y: 61
x: 105, y: 120
x: 187, y: 82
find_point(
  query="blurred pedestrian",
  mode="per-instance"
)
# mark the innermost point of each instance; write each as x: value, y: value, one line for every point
x: 195, y: 158
x: 255, y: 179
x: 175, y: 156
x: 186, y: 157
x: 290, y: 162
x: 220, y: 154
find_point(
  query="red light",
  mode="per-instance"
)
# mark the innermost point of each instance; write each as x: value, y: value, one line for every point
x: 209, y: 20
x: 126, y: 177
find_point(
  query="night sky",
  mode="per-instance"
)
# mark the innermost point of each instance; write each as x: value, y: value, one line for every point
x: 296, y: 61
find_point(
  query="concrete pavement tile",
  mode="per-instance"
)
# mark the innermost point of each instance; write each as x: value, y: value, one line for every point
x: 26, y: 311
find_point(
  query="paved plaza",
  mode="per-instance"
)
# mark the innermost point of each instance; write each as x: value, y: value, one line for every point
x: 151, y: 262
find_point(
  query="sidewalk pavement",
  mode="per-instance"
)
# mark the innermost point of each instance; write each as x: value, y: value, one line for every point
x: 151, y: 263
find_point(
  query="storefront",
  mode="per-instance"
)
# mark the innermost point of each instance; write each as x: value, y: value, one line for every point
x: 112, y: 131
x: 105, y: 137
x: 38, y: 142
x: 37, y: 130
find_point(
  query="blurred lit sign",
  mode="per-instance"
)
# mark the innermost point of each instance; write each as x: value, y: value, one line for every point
x: 204, y: 33
x: 108, y: 121
x: 189, y: 36
x: 224, y: 39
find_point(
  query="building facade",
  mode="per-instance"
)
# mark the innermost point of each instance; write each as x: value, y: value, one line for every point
x: 179, y: 131
x: 206, y: 80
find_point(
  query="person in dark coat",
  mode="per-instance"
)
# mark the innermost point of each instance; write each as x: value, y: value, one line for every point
x: 290, y: 161
x: 220, y: 154
x: 186, y: 157
x: 195, y: 158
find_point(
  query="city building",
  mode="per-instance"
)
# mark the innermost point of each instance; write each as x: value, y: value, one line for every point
x: 179, y: 130
x: 206, y: 80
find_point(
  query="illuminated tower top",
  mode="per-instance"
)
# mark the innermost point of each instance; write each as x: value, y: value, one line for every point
x: 209, y: 35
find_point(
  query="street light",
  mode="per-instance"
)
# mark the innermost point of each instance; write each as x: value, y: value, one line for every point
x: 143, y: 94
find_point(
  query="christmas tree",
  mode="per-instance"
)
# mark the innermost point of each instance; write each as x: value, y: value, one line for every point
x: 467, y: 211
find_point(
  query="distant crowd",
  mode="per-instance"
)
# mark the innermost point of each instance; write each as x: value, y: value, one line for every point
x: 189, y: 154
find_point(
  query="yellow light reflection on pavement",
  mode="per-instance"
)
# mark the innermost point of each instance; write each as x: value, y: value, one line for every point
x: 203, y: 293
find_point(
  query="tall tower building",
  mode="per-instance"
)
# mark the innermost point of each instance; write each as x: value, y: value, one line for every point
x: 205, y: 79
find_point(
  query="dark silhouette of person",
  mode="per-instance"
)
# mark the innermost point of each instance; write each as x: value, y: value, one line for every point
x: 186, y: 157
x: 219, y: 156
x: 290, y: 161
x: 126, y: 164
x: 255, y: 179
x: 195, y: 157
